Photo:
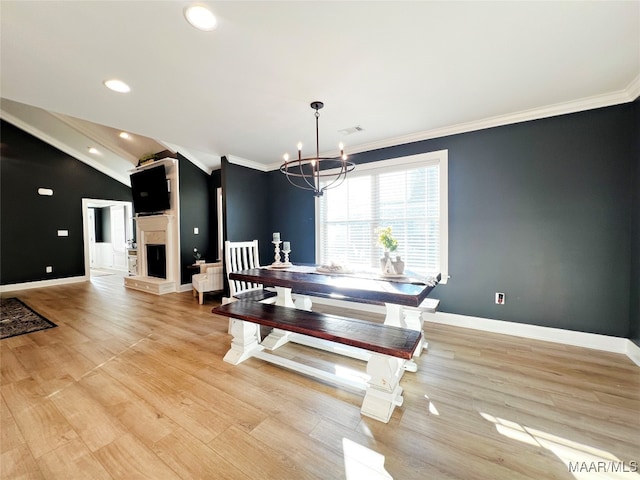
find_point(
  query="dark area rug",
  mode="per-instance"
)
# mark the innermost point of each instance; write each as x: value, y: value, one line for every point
x: 16, y: 318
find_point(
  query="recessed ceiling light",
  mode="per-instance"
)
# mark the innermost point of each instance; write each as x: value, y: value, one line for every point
x: 125, y: 135
x: 94, y: 150
x: 117, y: 85
x: 200, y: 17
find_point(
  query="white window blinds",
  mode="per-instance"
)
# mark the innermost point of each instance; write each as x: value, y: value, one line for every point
x: 406, y: 194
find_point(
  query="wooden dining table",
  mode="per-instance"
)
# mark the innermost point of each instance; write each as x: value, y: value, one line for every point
x: 364, y: 287
x: 402, y: 296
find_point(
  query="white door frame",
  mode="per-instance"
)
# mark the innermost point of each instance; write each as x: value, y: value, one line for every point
x: 100, y: 203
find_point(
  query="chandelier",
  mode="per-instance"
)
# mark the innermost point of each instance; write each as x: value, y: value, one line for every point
x: 309, y: 173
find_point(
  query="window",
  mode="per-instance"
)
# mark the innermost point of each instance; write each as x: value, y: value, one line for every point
x: 408, y: 194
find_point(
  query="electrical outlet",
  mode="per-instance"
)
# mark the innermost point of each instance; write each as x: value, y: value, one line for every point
x: 499, y: 298
x: 49, y: 269
x: 196, y: 231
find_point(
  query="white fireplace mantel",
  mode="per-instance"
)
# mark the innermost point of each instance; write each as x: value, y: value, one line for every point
x: 162, y: 229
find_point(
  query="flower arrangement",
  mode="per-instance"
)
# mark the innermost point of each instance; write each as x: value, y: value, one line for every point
x: 386, y: 239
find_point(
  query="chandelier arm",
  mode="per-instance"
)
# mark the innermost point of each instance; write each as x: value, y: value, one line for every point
x: 297, y: 185
x: 312, y: 180
x: 286, y: 167
x: 305, y: 177
x: 340, y: 176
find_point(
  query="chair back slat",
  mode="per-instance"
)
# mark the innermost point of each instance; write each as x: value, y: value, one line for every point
x: 241, y: 256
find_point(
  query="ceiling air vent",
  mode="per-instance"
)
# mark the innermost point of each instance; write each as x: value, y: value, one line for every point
x: 351, y: 130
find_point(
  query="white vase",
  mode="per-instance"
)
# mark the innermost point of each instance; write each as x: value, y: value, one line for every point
x: 398, y: 265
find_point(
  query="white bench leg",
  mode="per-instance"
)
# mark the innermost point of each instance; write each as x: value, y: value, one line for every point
x: 383, y: 389
x: 278, y: 337
x: 413, y: 321
x: 244, y: 343
x: 399, y: 316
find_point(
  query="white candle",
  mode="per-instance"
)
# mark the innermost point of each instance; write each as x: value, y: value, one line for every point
x: 286, y: 246
x: 276, y: 236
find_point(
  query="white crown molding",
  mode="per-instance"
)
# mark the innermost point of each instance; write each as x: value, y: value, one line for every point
x: 192, y: 156
x: 243, y: 162
x: 81, y: 156
x: 627, y: 95
x: 106, y: 143
x: 633, y: 89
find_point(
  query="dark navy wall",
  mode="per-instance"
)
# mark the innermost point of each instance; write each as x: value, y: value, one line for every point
x: 30, y: 222
x: 539, y: 210
x: 104, y: 224
x: 246, y: 205
x: 292, y: 213
x: 194, y: 212
x: 635, y: 244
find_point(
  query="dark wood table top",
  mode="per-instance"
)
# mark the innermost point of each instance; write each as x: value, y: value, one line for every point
x: 364, y: 288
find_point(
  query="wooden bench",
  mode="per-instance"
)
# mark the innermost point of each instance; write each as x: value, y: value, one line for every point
x: 390, y: 348
x: 396, y: 315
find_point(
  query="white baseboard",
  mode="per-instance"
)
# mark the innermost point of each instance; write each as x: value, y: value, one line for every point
x: 42, y: 283
x: 633, y: 352
x: 596, y: 341
x: 535, y: 332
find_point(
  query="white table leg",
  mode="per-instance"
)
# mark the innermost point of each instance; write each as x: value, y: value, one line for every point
x: 284, y: 298
x: 383, y: 389
x: 278, y: 337
x: 395, y: 315
x: 303, y: 302
x: 244, y: 343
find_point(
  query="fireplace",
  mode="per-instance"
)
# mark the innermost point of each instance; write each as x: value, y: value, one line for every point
x: 156, y: 261
x: 158, y: 255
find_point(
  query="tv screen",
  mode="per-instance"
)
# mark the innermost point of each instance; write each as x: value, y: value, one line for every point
x: 150, y: 191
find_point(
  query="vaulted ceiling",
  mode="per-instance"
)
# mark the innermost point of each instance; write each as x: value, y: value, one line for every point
x: 400, y: 71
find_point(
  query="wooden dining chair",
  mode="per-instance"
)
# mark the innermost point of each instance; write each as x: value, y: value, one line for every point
x: 242, y: 256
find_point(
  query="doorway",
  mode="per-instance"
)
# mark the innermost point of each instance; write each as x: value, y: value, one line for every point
x: 108, y: 229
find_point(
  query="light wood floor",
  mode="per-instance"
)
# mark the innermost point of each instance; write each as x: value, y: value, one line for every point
x: 132, y: 385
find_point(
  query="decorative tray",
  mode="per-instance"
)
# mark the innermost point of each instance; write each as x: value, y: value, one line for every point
x: 333, y: 269
x: 279, y: 266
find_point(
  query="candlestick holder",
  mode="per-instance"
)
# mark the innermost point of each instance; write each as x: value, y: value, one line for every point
x: 286, y: 257
x: 277, y: 261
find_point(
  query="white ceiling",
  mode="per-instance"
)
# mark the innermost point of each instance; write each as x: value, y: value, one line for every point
x: 402, y: 71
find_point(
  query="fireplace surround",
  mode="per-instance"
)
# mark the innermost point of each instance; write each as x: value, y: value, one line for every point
x: 155, y: 233
x: 157, y: 255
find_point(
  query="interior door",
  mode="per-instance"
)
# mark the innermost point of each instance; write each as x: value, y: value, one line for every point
x: 92, y: 237
x: 119, y: 237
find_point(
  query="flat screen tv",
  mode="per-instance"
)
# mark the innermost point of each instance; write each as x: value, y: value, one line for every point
x: 150, y: 191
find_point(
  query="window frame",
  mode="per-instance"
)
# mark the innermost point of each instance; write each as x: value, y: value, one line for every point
x: 440, y: 158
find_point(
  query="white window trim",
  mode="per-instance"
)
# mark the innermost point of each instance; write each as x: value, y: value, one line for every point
x: 440, y: 157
